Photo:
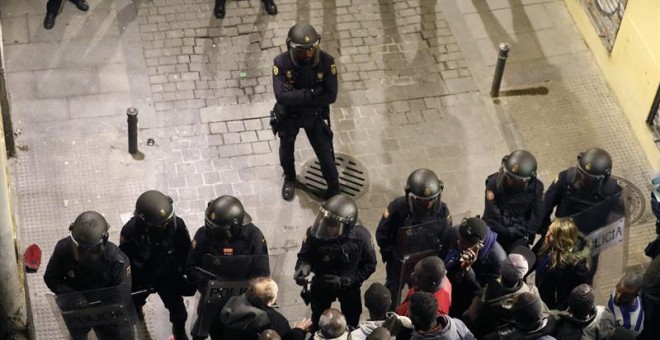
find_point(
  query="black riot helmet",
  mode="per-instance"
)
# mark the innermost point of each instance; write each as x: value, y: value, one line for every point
x: 224, y: 218
x: 335, y: 218
x: 517, y: 170
x: 594, y: 167
x: 89, y: 236
x: 423, y: 191
x: 154, y: 208
x: 303, y: 45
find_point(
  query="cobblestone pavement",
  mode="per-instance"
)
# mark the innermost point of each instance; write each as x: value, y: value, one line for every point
x: 414, y: 77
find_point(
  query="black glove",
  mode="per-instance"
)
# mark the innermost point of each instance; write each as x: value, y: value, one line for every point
x: 386, y: 254
x: 286, y: 86
x: 518, y: 230
x: 201, y: 286
x: 336, y: 282
x: 301, y: 274
x: 316, y: 91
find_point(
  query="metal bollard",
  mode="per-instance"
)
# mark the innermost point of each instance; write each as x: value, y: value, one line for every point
x: 132, y: 114
x: 499, y: 69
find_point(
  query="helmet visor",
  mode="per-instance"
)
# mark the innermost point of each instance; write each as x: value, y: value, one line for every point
x: 511, y: 183
x: 328, y: 226
x: 305, y: 55
x: 87, y: 253
x: 584, y: 181
x: 217, y: 232
x: 423, y: 206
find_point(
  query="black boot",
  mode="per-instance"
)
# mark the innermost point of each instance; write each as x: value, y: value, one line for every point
x: 270, y: 6
x: 49, y: 21
x: 179, y: 331
x: 288, y: 189
x: 219, y: 10
x: 81, y: 4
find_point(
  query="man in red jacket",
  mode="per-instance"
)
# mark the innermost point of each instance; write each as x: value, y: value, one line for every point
x: 429, y: 276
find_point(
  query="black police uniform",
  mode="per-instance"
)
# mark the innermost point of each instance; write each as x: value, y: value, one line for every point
x: 158, y: 261
x: 350, y: 255
x: 292, y: 85
x: 249, y: 241
x: 65, y: 275
x: 569, y: 201
x: 513, y: 216
x: 396, y: 217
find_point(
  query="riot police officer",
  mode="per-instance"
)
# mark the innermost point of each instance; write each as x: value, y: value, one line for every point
x: 582, y: 187
x: 514, y: 200
x: 227, y: 231
x: 157, y: 242
x: 340, y: 253
x: 86, y: 260
x: 219, y: 9
x: 305, y: 84
x: 421, y: 208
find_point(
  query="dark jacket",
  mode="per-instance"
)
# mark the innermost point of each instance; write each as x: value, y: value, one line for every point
x: 447, y: 329
x: 397, y: 216
x: 350, y: 255
x: 651, y: 301
x: 492, y: 308
x: 65, y: 275
x: 545, y: 329
x: 555, y: 284
x: 292, y: 84
x: 513, y: 215
x: 569, y: 201
x: 156, y: 258
x: 597, y: 325
x: 486, y: 268
x: 243, y: 320
x: 249, y: 241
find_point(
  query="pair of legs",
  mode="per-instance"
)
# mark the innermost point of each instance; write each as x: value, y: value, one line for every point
x: 320, y: 136
x: 219, y: 9
x: 349, y: 299
x: 173, y: 301
x: 53, y: 8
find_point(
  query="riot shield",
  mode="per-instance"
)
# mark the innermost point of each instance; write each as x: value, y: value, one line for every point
x: 229, y: 276
x: 109, y: 312
x: 600, y: 214
x: 415, y: 243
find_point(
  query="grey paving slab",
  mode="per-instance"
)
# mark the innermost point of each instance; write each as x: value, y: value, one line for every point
x: 54, y: 83
x: 99, y: 105
x: 14, y: 30
x: 21, y: 85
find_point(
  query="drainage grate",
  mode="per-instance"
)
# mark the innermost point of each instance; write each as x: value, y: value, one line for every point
x: 633, y: 198
x: 353, y: 179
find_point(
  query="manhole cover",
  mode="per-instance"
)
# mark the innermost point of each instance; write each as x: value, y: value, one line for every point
x: 353, y: 179
x: 633, y: 198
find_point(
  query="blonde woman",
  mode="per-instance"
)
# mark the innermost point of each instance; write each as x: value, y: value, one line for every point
x: 563, y: 262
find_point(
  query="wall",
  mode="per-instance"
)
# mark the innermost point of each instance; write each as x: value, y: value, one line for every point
x: 633, y: 68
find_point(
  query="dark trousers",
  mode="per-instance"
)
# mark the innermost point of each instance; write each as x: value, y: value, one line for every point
x: 320, y: 137
x: 53, y: 6
x: 349, y: 299
x: 172, y: 300
x: 208, y: 321
x: 393, y: 281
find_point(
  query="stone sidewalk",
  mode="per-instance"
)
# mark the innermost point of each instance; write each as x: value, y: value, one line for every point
x: 414, y: 81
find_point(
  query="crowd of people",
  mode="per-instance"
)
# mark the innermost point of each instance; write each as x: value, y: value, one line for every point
x: 459, y: 281
x: 468, y: 280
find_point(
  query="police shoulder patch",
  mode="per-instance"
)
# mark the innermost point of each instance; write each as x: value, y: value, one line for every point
x: 490, y: 195
x: 386, y: 213
x: 276, y: 70
x: 333, y: 69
